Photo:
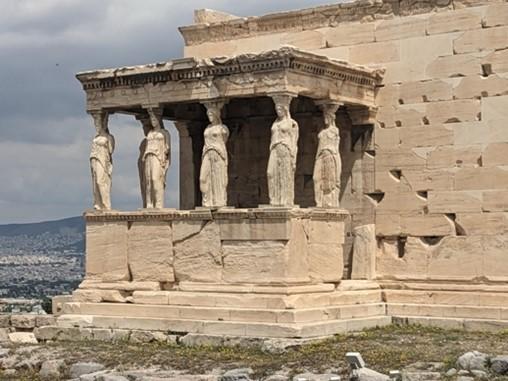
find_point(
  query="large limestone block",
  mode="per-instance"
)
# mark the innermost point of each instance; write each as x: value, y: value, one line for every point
x: 414, y: 180
x: 254, y: 229
x: 481, y: 178
x: 483, y: 39
x: 495, y: 265
x: 364, y: 252
x: 462, y: 110
x: 388, y: 95
x: 106, y: 251
x: 439, y: 179
x: 496, y: 15
x: 326, y: 262
x: 150, y: 251
x: 266, y: 262
x: 401, y: 28
x: 307, y: 40
x: 495, y: 154
x: 454, y: 201
x: 454, y: 21
x: 375, y: 53
x: 425, y: 136
x: 387, y: 138
x: 255, y: 262
x: 454, y: 66
x: 495, y: 108
x: 484, y: 223
x: 445, y: 157
x: 416, y: 55
x: 498, y: 61
x: 469, y: 134
x: 387, y: 225
x: 426, y: 225
x: 456, y: 258
x: 425, y: 91
x: 399, y: 260
x: 321, y: 231
x: 495, y: 201
x: 476, y: 87
x: 398, y: 159
x: 197, y: 251
x: 210, y: 49
x: 403, y: 115
x: 349, y: 34
x: 404, y: 202
x: 497, y: 131
x: 338, y: 53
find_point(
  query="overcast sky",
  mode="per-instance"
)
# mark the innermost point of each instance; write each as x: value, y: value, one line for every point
x: 45, y: 133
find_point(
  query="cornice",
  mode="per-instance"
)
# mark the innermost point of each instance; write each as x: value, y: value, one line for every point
x: 313, y: 18
x: 191, y: 69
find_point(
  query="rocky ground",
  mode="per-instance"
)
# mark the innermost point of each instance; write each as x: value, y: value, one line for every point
x: 420, y: 353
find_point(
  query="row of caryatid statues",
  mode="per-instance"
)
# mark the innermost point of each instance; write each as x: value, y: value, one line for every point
x: 154, y: 158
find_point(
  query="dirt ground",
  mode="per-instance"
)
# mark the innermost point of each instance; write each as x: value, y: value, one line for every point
x: 384, y: 349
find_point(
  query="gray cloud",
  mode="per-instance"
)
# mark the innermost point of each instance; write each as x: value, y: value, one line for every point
x: 44, y: 130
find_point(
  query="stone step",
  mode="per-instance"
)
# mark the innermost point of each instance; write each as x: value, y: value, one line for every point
x: 263, y: 301
x: 467, y: 324
x: 226, y: 314
x: 464, y: 298
x: 208, y: 327
x: 448, y: 311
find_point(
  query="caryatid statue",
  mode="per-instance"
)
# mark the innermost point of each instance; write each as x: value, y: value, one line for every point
x: 156, y: 160
x: 147, y: 126
x: 327, y: 167
x: 283, y: 153
x: 101, y: 161
x: 213, y: 176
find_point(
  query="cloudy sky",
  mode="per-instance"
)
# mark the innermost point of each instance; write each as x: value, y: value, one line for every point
x: 45, y: 133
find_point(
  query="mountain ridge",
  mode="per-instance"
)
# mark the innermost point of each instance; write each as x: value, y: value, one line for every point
x: 62, y: 226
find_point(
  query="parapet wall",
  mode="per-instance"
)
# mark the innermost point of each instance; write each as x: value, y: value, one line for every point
x: 439, y: 177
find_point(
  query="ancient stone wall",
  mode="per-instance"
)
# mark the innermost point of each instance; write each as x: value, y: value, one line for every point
x: 437, y: 169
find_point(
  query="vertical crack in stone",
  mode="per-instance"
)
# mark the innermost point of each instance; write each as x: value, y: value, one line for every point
x: 401, y: 246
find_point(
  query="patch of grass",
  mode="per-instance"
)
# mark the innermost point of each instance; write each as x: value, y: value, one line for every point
x: 384, y: 349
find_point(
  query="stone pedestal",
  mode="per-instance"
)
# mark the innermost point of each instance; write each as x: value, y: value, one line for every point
x: 270, y: 272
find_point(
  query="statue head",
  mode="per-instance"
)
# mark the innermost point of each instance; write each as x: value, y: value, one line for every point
x: 213, y: 111
x: 100, y: 119
x: 329, y: 113
x: 282, y: 105
x: 147, y: 124
x: 155, y: 114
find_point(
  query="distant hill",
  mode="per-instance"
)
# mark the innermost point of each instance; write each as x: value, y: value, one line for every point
x: 65, y: 226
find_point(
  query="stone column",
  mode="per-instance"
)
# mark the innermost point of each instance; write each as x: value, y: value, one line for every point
x: 187, y: 167
x: 101, y: 160
x: 328, y: 164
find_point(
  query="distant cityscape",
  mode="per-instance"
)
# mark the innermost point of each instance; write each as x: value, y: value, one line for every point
x: 41, y: 260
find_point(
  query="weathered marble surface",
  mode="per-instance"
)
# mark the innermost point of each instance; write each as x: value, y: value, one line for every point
x: 101, y: 161
x: 213, y: 177
x: 283, y: 152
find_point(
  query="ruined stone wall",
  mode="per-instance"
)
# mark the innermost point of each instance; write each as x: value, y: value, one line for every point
x: 437, y: 169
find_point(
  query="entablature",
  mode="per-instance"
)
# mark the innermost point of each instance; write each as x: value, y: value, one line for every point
x: 190, y: 80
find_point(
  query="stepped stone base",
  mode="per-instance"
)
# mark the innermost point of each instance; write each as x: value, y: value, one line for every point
x: 245, y: 311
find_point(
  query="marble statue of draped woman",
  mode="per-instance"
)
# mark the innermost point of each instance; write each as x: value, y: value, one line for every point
x: 283, y: 154
x: 327, y: 167
x: 101, y: 162
x: 213, y: 177
x: 156, y: 159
